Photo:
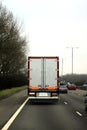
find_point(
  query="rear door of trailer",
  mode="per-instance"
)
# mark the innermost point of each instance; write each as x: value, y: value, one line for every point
x: 43, y: 75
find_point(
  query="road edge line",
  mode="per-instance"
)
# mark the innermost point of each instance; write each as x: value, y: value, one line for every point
x: 10, y: 121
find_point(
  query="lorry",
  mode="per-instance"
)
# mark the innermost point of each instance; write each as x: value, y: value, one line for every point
x: 43, y: 79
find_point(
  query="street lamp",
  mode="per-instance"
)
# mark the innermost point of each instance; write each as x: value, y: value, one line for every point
x: 72, y: 48
x: 62, y: 61
x: 62, y: 66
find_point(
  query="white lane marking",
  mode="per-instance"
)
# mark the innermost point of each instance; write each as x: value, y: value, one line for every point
x: 65, y: 103
x: 7, y: 125
x: 79, y: 113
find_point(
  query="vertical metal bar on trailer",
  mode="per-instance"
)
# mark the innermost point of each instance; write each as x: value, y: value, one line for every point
x: 41, y: 72
x: 44, y: 72
x: 57, y: 71
x: 28, y: 71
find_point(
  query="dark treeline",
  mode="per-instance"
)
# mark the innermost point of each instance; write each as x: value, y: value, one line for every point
x: 12, y: 51
x: 13, y: 81
x: 78, y: 79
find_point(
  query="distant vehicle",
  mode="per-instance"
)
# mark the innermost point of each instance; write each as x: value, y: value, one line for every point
x: 85, y: 102
x: 43, y: 79
x: 63, y: 88
x: 84, y: 86
x: 71, y: 86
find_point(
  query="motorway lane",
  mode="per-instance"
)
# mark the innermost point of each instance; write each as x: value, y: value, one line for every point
x: 9, y: 105
x: 60, y: 116
x: 76, y: 102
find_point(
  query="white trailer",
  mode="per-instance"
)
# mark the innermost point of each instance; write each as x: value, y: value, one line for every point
x: 43, y: 78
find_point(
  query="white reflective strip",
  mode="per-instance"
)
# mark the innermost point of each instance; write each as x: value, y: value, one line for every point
x: 65, y: 103
x: 43, y: 97
x: 79, y: 113
x: 31, y: 93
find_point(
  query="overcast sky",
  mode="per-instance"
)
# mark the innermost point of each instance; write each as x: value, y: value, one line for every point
x: 53, y: 25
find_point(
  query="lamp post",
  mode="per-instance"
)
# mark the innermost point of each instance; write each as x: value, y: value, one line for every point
x: 62, y: 66
x: 72, y: 48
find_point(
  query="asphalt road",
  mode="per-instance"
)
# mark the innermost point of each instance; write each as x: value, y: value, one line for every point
x: 67, y: 114
x: 9, y: 105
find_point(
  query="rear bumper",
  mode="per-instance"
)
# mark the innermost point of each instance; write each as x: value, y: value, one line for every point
x: 44, y: 99
x: 43, y: 96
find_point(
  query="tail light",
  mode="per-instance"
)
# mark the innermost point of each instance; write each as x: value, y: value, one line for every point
x: 32, y: 94
x: 54, y: 94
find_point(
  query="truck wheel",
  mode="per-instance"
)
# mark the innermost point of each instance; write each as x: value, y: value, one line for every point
x: 85, y: 108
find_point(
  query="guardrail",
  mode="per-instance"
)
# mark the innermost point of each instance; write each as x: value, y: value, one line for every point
x: 82, y: 87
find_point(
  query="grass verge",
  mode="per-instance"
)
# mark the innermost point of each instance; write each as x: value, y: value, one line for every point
x: 8, y: 92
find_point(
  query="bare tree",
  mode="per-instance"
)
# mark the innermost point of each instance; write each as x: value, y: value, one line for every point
x: 12, y: 44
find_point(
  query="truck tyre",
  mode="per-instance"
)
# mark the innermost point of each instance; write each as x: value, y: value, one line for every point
x: 85, y: 108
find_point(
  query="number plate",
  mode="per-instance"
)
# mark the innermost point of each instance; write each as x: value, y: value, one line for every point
x: 43, y: 94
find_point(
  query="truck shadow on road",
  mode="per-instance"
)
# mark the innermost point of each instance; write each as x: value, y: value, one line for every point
x: 42, y: 103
